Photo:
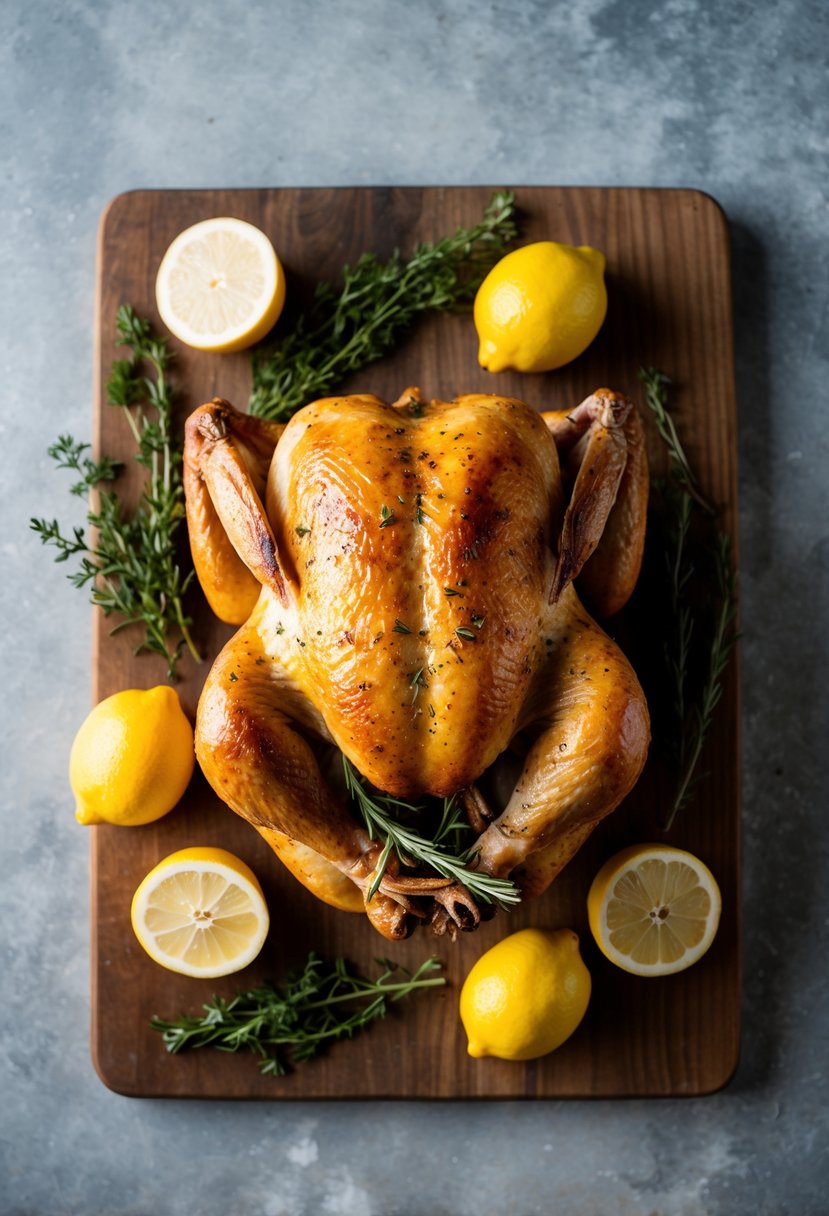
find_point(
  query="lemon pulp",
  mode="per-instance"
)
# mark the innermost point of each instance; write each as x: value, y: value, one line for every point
x: 220, y: 286
x: 653, y: 909
x: 201, y: 912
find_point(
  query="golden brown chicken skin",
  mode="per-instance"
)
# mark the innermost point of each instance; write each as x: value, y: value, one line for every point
x: 415, y: 611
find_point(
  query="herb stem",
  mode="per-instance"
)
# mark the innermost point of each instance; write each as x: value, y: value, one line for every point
x: 656, y: 394
x: 131, y: 565
x: 350, y: 327
x: 692, y: 718
x: 398, y: 989
x: 412, y: 848
x: 298, y: 1017
x: 722, y: 644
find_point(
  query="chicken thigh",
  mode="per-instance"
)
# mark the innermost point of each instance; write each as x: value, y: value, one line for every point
x: 404, y: 578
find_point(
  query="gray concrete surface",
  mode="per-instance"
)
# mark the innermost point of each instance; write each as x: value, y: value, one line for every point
x: 98, y: 97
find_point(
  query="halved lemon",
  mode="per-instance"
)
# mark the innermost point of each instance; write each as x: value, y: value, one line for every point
x: 201, y: 912
x: 220, y: 286
x: 653, y: 909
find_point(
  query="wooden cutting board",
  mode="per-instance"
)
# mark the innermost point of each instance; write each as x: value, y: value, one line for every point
x: 670, y: 306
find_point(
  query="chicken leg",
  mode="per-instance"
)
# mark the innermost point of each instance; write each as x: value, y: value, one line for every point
x: 591, y: 748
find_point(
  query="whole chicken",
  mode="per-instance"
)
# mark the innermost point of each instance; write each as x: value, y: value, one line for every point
x: 404, y: 578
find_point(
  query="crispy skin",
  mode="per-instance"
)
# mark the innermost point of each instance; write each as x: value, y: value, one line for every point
x: 416, y: 612
x: 252, y: 734
x: 594, y: 734
x: 218, y: 441
x: 612, y: 554
x: 479, y: 473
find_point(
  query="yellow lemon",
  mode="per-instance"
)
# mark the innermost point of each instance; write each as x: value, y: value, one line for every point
x: 540, y: 307
x: 220, y: 285
x: 201, y: 912
x: 526, y: 995
x: 132, y: 758
x: 653, y: 909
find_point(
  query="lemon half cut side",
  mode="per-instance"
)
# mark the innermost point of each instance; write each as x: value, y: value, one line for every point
x: 201, y: 912
x: 653, y: 909
x: 220, y: 286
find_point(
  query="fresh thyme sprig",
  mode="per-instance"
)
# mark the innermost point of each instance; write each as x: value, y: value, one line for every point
x: 358, y: 322
x: 442, y: 853
x: 692, y: 718
x: 68, y: 454
x: 322, y: 1003
x: 131, y: 564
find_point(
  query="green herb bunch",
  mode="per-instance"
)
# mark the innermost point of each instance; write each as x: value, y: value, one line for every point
x: 131, y: 562
x: 360, y: 321
x: 442, y: 851
x: 692, y: 703
x: 318, y: 1005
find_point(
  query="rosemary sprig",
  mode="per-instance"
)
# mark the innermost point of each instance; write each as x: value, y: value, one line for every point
x: 722, y: 644
x: 417, y: 680
x: 316, y: 1006
x: 358, y: 322
x: 680, y: 572
x: 131, y: 564
x: 656, y: 394
x: 692, y: 718
x: 441, y: 853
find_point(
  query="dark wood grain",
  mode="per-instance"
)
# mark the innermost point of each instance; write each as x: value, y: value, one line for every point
x: 670, y: 305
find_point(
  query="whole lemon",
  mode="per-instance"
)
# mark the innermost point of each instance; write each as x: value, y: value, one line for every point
x: 540, y: 307
x: 132, y: 758
x: 526, y: 995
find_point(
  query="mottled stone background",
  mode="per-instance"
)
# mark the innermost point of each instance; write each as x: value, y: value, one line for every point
x: 99, y: 97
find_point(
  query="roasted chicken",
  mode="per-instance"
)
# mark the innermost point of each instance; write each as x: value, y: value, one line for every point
x: 404, y: 580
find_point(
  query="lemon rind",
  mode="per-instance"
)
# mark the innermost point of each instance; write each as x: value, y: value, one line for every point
x: 264, y: 304
x: 664, y: 853
x: 147, y: 940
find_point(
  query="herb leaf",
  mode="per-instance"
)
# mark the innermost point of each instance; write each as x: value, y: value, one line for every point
x: 377, y: 811
x: 692, y: 718
x: 358, y: 322
x: 132, y: 565
x: 417, y: 680
x: 67, y: 454
x: 702, y: 713
x: 656, y: 394
x: 318, y: 1005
